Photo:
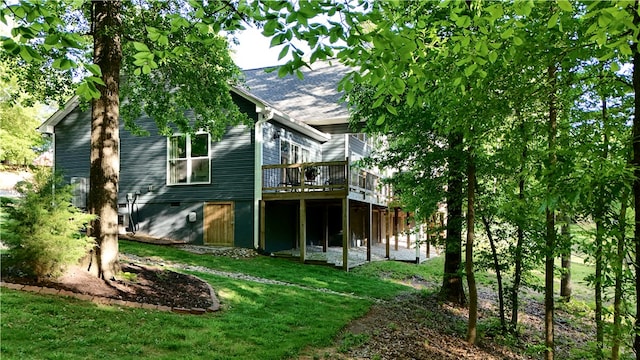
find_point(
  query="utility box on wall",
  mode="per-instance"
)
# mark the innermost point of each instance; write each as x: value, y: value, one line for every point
x: 192, y: 217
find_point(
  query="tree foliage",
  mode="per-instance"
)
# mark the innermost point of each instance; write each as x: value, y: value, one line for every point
x: 43, y: 229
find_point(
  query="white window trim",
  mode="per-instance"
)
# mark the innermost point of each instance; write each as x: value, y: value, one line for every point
x: 188, y: 158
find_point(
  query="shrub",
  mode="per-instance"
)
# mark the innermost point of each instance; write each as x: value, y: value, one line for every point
x: 43, y: 230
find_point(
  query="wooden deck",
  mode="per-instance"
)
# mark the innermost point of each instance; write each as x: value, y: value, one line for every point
x: 322, y: 180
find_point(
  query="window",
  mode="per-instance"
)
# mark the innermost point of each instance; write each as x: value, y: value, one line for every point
x: 292, y: 153
x: 188, y: 159
x: 80, y: 191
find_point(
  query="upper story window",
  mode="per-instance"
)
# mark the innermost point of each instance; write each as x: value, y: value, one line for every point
x: 293, y: 153
x: 188, y: 159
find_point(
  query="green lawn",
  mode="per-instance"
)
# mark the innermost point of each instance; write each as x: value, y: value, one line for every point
x: 315, y: 276
x: 258, y: 321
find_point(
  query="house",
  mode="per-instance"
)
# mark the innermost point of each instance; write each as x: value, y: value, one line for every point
x: 288, y: 182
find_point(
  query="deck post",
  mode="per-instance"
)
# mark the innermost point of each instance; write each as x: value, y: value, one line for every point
x: 303, y: 230
x: 345, y: 233
x: 427, y: 235
x: 262, y: 225
x: 379, y: 226
x: 370, y: 230
x: 396, y: 222
x: 325, y: 230
x: 406, y: 229
x: 387, y: 226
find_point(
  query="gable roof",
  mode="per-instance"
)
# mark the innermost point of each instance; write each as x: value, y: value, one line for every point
x: 47, y: 127
x: 314, y: 100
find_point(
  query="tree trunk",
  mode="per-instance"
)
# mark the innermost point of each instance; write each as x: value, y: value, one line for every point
x: 517, y: 276
x: 471, y: 280
x: 496, y: 266
x: 550, y: 240
x: 105, y: 139
x: 636, y: 179
x: 452, y: 289
x: 599, y: 214
x: 618, y: 268
x: 565, y: 262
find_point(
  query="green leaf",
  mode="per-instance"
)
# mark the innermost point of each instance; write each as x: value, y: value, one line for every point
x: 25, y: 54
x: 283, y: 71
x: 392, y: 109
x: 146, y: 69
x: 553, y: 20
x: 276, y: 40
x: 507, y: 34
x: 137, y: 72
x: 94, y: 69
x: 411, y: 98
x: 615, y: 67
x: 269, y: 28
x: 380, y: 120
x: 96, y: 80
x: 140, y: 47
x: 517, y: 40
x: 52, y: 39
x: 378, y: 102
x: 493, y: 56
x: 163, y: 40
x: 468, y: 71
x: 283, y: 52
x: 565, y: 5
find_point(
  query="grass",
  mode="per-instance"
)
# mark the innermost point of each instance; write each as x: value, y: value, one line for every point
x: 258, y: 321
x: 314, y: 276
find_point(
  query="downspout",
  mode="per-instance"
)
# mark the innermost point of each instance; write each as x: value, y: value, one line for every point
x: 264, y: 115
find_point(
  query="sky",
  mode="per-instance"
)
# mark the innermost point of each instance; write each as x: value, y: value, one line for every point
x: 253, y: 50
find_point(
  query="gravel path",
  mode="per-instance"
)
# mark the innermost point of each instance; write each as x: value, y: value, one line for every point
x: 233, y: 275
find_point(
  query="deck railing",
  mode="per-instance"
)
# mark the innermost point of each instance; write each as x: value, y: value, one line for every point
x: 317, y: 176
x: 321, y: 176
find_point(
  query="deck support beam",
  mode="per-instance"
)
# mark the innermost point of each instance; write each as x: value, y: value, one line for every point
x: 396, y: 222
x: 370, y: 231
x: 387, y: 228
x: 325, y: 229
x: 407, y: 230
x: 303, y: 230
x: 262, y: 225
x: 345, y: 234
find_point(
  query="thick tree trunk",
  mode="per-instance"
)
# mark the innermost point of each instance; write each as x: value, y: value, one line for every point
x: 471, y: 280
x: 105, y: 139
x: 496, y: 267
x: 452, y: 289
x: 550, y: 222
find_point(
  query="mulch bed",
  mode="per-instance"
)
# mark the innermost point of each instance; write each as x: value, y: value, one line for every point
x: 138, y: 283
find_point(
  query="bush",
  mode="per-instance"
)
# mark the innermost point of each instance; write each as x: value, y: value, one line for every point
x: 43, y: 230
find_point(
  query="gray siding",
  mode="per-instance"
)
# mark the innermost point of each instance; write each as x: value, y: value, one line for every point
x: 333, y: 150
x: 358, y: 147
x: 273, y: 133
x: 161, y: 210
x: 72, y: 151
